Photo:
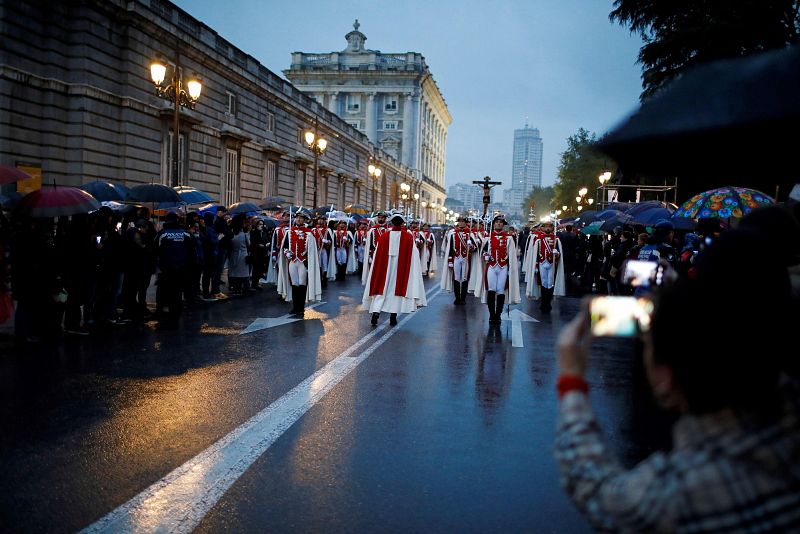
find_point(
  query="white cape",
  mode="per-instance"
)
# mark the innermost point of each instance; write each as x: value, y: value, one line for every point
x: 533, y: 289
x: 512, y: 282
x: 314, y: 285
x: 388, y: 301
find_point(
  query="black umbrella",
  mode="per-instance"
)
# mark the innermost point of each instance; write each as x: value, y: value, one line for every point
x: 728, y: 119
x: 273, y: 203
x: 243, y: 207
x: 107, y: 191
x: 156, y: 194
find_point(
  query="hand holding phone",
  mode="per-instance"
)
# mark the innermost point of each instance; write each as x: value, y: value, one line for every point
x: 620, y: 316
x: 639, y: 273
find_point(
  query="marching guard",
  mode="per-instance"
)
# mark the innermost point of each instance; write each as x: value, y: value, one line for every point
x: 344, y: 251
x: 544, y: 263
x: 324, y: 238
x: 275, y: 245
x: 360, y: 242
x: 298, y: 267
x: 373, y: 236
x: 499, y: 277
x: 429, y: 258
x: 459, y: 247
x: 394, y: 283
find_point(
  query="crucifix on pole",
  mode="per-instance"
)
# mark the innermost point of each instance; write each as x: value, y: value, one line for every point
x: 487, y: 185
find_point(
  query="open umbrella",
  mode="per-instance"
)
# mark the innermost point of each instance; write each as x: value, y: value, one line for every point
x: 592, y: 228
x: 273, y: 203
x: 648, y: 205
x: 244, y: 207
x: 56, y: 201
x: 620, y: 219
x: 649, y: 217
x: 324, y: 209
x: 268, y: 221
x: 735, y: 118
x: 723, y: 203
x: 156, y: 194
x: 191, y: 196
x: 12, y: 174
x: 9, y: 200
x: 107, y: 191
x: 361, y: 209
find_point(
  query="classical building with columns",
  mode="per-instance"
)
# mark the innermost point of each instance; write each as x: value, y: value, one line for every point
x: 77, y: 104
x: 391, y: 98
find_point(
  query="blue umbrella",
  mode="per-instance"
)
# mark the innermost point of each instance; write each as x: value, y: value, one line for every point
x: 244, y: 207
x: 107, y: 191
x: 157, y: 194
x: 648, y: 205
x: 651, y: 216
x: 191, y: 196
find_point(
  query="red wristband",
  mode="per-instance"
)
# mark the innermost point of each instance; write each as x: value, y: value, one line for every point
x: 567, y: 383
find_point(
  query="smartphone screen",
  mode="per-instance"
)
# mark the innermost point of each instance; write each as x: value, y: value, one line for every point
x: 620, y: 316
x: 98, y: 239
x: 639, y: 273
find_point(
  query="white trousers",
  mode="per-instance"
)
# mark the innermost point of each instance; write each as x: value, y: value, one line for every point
x: 496, y: 277
x: 341, y: 256
x: 360, y: 252
x: 298, y: 273
x: 546, y: 272
x: 323, y: 259
x: 460, y: 269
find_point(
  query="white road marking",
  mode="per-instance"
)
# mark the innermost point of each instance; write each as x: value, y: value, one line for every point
x: 180, y: 500
x: 262, y: 323
x: 517, y: 317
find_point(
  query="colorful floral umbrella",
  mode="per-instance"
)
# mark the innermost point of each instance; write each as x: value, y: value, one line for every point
x: 56, y: 201
x: 723, y: 203
x: 12, y: 174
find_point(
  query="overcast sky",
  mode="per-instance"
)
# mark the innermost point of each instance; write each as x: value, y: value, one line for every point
x: 560, y: 63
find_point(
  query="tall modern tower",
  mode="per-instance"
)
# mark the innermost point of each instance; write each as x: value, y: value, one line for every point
x: 526, y: 169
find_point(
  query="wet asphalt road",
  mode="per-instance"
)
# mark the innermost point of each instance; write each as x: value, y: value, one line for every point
x: 445, y: 427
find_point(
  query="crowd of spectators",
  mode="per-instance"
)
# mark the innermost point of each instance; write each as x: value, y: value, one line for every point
x: 89, y: 271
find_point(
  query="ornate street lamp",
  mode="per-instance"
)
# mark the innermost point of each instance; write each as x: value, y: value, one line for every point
x: 174, y: 91
x: 317, y: 144
x: 375, y: 173
x: 603, y: 179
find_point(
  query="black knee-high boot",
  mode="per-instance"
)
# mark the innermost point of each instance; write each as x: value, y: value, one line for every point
x: 490, y: 298
x: 301, y: 299
x: 547, y: 299
x: 498, y: 314
x: 464, y: 288
x: 457, y: 291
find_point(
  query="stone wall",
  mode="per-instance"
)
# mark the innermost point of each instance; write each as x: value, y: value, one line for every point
x: 76, y: 100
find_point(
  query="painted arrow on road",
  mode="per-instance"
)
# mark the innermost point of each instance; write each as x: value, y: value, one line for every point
x: 517, y: 318
x: 262, y: 323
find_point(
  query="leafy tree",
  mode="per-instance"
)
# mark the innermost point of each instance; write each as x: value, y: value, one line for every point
x: 581, y: 164
x: 681, y: 33
x: 541, y: 198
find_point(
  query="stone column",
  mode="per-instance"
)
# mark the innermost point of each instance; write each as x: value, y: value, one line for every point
x: 413, y: 160
x: 333, y: 105
x: 408, y: 131
x: 372, y: 122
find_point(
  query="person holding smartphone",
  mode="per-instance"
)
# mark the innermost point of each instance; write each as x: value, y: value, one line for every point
x: 736, y: 442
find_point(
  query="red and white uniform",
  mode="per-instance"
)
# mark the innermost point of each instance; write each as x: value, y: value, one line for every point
x: 361, y: 240
x: 394, y: 283
x: 277, y: 239
x: 344, y: 249
x: 324, y: 238
x: 428, y: 257
x: 499, y: 269
x: 299, y: 264
x: 545, y: 263
x: 459, y: 247
x: 373, y: 236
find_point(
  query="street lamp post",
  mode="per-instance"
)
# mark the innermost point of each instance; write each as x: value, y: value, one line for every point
x: 375, y: 173
x: 405, y: 188
x: 603, y: 179
x: 175, y: 92
x: 416, y: 205
x: 581, y: 199
x: 317, y: 144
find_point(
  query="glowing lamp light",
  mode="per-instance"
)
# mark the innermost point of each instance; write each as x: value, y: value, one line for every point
x: 310, y: 138
x: 195, y: 87
x: 158, y: 71
x: 322, y: 144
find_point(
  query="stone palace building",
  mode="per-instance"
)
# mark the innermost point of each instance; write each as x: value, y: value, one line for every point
x: 77, y: 104
x: 392, y: 98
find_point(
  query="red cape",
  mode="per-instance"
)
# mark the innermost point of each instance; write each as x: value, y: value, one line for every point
x: 380, y: 264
